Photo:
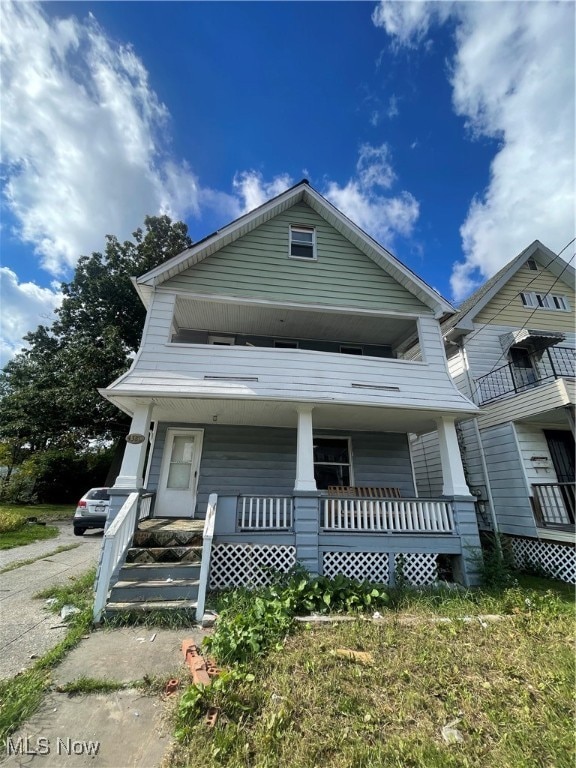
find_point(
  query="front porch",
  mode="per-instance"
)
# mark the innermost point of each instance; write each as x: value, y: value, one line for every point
x: 152, y: 563
x: 261, y: 494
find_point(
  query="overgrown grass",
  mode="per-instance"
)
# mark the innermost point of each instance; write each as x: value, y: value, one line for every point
x: 17, y: 531
x: 161, y: 619
x: 44, y: 512
x: 19, y: 563
x: 27, y: 534
x: 22, y: 695
x: 507, y: 684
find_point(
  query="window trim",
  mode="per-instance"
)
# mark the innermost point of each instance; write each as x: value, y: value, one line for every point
x: 302, y: 228
x: 550, y: 301
x: 221, y: 341
x: 350, y: 464
x: 534, y: 268
x: 352, y: 346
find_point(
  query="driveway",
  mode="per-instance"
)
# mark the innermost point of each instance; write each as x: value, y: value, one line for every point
x: 27, y: 629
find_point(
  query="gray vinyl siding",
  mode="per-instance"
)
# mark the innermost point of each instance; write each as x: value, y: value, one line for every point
x: 427, y: 465
x: 262, y: 460
x: 507, y: 481
x: 257, y: 265
x: 456, y: 366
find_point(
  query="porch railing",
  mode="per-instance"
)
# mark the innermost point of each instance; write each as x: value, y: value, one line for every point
x: 147, y: 499
x: 260, y: 513
x: 207, y: 537
x: 117, y: 539
x: 554, y: 503
x: 552, y: 363
x: 388, y: 515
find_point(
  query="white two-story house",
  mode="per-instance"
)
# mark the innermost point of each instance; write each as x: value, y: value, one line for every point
x: 510, y: 349
x: 271, y: 404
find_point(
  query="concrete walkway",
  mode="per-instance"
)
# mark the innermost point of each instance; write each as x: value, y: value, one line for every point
x: 26, y: 628
x: 128, y: 728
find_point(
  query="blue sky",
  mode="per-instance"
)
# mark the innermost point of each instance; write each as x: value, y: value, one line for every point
x: 443, y: 129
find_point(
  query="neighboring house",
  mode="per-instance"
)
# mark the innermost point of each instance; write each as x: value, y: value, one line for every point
x: 272, y: 381
x: 510, y: 348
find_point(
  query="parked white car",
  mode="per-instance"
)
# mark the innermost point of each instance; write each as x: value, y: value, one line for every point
x: 92, y: 510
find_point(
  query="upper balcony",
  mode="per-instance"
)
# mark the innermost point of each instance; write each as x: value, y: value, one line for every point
x: 526, y: 373
x: 271, y: 357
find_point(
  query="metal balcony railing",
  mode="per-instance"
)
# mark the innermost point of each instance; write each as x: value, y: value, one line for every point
x: 552, y: 363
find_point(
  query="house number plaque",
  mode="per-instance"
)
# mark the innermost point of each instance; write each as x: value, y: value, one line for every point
x: 135, y: 438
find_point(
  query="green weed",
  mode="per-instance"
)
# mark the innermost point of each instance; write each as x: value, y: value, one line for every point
x: 19, y: 563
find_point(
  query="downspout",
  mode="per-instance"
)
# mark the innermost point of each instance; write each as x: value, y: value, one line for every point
x: 485, y: 471
x: 460, y: 344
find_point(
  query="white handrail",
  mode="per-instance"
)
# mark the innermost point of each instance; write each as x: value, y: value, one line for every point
x: 207, y: 537
x: 116, y: 541
x: 394, y: 515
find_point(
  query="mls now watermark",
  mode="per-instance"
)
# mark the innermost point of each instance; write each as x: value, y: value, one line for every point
x: 26, y: 745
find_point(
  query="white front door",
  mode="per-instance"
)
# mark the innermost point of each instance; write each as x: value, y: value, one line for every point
x: 176, y: 496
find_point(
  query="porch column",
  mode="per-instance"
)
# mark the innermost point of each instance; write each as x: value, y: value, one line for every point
x: 305, y: 451
x: 452, y: 469
x: 132, y: 471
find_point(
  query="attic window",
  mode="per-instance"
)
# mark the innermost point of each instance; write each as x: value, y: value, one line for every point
x: 545, y: 301
x: 302, y: 242
x: 531, y: 264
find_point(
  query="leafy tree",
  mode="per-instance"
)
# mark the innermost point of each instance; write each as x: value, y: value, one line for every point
x: 49, y: 392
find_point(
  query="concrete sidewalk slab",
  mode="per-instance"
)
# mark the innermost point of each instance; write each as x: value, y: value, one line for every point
x: 25, y: 623
x: 41, y: 548
x: 127, y: 654
x: 125, y: 729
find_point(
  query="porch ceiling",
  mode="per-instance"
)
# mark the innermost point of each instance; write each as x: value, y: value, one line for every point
x: 294, y: 322
x: 284, y: 414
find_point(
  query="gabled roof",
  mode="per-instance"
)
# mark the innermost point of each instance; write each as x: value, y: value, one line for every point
x: 463, y: 320
x: 301, y: 192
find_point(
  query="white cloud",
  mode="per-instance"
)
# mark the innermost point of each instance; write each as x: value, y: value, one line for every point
x: 408, y: 22
x: 393, y: 110
x: 513, y: 80
x: 82, y: 137
x: 361, y: 200
x: 24, y: 307
x: 254, y: 191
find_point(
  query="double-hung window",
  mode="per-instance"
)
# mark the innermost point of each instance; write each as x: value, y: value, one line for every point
x: 302, y: 242
x: 332, y: 462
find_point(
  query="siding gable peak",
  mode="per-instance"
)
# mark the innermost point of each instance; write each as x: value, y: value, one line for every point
x: 512, y: 274
x: 301, y: 193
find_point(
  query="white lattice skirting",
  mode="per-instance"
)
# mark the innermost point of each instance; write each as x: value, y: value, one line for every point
x: 559, y: 560
x: 372, y: 566
x: 417, y: 568
x: 246, y: 565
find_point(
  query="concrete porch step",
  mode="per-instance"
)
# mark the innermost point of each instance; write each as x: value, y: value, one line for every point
x: 154, y: 590
x: 159, y: 571
x: 143, y: 555
x: 148, y: 606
